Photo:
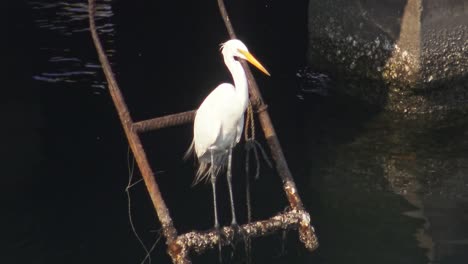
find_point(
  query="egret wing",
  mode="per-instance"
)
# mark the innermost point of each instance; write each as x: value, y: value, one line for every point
x: 240, y: 127
x: 210, y: 116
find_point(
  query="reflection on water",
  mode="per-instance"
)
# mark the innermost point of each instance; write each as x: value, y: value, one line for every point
x: 64, y: 28
x: 390, y: 189
x: 312, y: 83
x: 52, y: 101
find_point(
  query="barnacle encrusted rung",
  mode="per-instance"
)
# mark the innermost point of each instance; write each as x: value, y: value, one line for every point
x: 198, y: 241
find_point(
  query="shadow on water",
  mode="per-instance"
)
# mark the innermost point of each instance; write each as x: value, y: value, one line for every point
x: 380, y: 188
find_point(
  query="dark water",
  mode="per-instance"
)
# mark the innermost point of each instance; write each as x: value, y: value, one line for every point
x: 381, y: 188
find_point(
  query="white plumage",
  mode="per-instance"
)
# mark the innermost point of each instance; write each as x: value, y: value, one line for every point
x: 219, y: 121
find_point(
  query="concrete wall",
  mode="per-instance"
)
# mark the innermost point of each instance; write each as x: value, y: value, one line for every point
x: 404, y: 55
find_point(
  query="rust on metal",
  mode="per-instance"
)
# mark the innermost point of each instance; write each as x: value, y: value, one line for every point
x: 307, y: 233
x: 291, y: 194
x: 178, y: 252
x: 165, y: 121
x: 134, y: 141
x: 261, y: 108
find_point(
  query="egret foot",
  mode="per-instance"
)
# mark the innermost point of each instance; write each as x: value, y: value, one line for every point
x: 218, y: 234
x: 238, y: 234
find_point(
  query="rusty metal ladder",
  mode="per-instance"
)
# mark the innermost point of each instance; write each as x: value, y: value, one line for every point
x: 179, y: 247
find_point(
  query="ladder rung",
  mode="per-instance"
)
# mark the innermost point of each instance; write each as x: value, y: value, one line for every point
x: 164, y: 121
x: 200, y: 241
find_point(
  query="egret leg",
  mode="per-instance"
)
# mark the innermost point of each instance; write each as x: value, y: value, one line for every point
x: 216, y: 223
x: 213, y: 185
x: 229, y: 180
x: 234, y: 225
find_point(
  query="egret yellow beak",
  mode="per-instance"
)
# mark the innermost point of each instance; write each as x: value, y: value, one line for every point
x: 250, y: 58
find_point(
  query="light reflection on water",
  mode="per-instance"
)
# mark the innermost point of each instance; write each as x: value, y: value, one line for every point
x: 64, y: 27
x: 391, y: 188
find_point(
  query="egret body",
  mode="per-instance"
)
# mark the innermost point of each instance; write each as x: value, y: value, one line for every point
x: 219, y: 121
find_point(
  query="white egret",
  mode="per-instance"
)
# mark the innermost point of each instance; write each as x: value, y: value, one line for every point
x: 219, y: 122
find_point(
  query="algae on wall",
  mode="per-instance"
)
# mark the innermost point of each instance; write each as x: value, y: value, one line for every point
x: 399, y: 54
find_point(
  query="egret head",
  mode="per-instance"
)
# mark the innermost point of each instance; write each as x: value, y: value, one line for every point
x: 236, y: 48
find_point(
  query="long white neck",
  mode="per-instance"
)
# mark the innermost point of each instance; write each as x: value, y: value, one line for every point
x: 240, y: 80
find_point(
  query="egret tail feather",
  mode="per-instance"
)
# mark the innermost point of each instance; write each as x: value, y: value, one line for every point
x: 190, y: 151
x: 204, y: 172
